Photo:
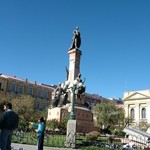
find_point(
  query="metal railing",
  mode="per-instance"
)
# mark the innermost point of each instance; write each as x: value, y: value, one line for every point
x: 58, y: 140
x: 52, y: 140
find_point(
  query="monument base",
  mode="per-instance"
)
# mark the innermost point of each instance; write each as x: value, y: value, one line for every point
x: 83, y: 116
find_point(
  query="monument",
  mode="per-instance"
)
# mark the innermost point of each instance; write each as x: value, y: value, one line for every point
x: 68, y: 98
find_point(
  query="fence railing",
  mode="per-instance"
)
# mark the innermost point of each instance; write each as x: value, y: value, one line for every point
x: 52, y: 140
x: 58, y: 140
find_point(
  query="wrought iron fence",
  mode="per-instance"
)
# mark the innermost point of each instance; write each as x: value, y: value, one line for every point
x: 58, y: 140
x: 50, y: 139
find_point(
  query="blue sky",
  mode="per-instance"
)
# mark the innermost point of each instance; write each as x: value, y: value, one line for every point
x: 35, y: 36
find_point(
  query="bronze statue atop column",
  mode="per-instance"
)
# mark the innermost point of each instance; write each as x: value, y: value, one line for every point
x: 76, y: 40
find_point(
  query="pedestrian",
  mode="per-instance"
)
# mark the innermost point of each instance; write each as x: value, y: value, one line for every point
x: 40, y: 132
x: 8, y: 122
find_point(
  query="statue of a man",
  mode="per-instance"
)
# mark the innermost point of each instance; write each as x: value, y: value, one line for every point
x: 76, y: 40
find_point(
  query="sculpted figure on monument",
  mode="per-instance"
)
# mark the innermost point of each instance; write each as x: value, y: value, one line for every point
x: 59, y: 96
x: 76, y: 40
x: 80, y: 86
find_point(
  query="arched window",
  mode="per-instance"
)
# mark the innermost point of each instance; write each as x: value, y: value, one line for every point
x: 143, y: 113
x: 132, y: 113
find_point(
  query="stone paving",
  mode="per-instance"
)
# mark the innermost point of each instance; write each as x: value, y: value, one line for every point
x: 33, y: 147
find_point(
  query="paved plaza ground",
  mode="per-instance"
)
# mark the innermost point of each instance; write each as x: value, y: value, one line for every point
x: 33, y: 147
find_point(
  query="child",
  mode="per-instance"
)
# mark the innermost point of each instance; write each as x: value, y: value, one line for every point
x: 40, y: 132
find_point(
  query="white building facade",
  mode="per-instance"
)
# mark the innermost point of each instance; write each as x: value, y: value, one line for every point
x: 137, y: 106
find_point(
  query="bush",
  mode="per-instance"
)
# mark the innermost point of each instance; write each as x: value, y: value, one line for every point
x: 118, y: 132
x: 92, y: 135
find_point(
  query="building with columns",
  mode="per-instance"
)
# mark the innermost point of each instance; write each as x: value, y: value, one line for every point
x: 137, y: 106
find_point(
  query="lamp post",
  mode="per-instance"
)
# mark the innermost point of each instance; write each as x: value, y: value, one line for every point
x: 72, y: 115
x: 73, y: 92
x: 71, y: 125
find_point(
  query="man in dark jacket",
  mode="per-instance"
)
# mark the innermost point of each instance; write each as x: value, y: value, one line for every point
x: 8, y: 122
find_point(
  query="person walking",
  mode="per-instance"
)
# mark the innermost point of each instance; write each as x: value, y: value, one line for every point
x: 8, y: 122
x: 40, y: 132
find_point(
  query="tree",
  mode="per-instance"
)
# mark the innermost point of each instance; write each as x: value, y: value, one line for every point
x: 108, y: 115
x: 2, y: 102
x: 24, y: 106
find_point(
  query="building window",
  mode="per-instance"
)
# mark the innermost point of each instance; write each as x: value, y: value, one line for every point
x: 132, y: 113
x: 30, y: 90
x: 12, y: 87
x: 20, y: 89
x: 143, y: 113
x: 38, y: 94
x: 45, y: 94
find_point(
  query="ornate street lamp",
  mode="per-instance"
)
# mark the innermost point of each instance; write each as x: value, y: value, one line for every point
x: 73, y: 90
x: 75, y: 86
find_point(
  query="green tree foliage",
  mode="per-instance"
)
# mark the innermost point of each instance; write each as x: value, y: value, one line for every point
x: 2, y: 102
x: 108, y: 115
x: 24, y: 106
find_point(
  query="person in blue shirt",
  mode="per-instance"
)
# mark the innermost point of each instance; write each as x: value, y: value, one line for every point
x: 40, y: 132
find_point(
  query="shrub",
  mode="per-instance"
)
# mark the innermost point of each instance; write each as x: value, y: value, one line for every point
x: 118, y: 132
x: 92, y: 135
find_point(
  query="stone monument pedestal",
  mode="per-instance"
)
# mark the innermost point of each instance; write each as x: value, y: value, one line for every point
x: 57, y: 113
x: 83, y: 116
